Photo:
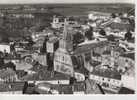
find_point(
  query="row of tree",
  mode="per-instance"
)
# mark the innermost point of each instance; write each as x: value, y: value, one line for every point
x: 78, y: 37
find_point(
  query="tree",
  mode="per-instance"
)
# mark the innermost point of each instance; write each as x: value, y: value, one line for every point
x: 128, y: 35
x: 132, y: 23
x: 120, y: 14
x: 111, y: 38
x: 102, y: 32
x: 25, y: 32
x: 113, y: 15
x: 25, y: 87
x: 30, y: 41
x: 10, y: 65
x: 78, y: 38
x: 49, y: 62
x: 1, y: 62
x: 12, y: 47
x: 89, y: 33
x: 5, y: 39
x: 72, y: 80
x: 44, y: 46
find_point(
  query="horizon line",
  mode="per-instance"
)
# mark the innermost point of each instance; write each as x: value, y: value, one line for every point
x: 71, y: 3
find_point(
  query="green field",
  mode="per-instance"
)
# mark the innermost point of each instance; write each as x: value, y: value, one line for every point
x: 77, y: 9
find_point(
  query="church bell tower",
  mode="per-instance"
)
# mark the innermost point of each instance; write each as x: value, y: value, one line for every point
x: 66, y: 41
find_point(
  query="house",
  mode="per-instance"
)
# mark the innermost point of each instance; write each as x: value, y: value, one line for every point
x: 1, y: 14
x: 8, y: 75
x: 117, y: 27
x: 109, y: 79
x: 129, y: 82
x: 124, y: 90
x: 126, y: 63
x: 88, y: 53
x: 58, y: 22
x: 91, y: 87
x: 98, y: 15
x: 128, y: 77
x: 120, y: 24
x: 22, y: 15
x: 4, y: 47
x: 11, y: 87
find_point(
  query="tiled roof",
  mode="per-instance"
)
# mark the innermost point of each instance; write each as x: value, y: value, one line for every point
x: 89, y: 47
x: 16, y: 86
x: 43, y: 74
x: 125, y: 90
x: 108, y: 73
x: 93, y: 88
x: 82, y: 71
x: 66, y: 89
x: 53, y: 40
x: 6, y: 73
x: 119, y: 26
x: 129, y: 55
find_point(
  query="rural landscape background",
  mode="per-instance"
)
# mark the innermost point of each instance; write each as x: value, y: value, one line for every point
x: 44, y: 17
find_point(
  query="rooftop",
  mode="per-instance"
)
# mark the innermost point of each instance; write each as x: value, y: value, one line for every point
x: 53, y: 40
x: 99, y: 13
x: 89, y: 46
x: 43, y: 74
x: 124, y: 90
x: 129, y: 55
x: 108, y: 73
x: 16, y: 86
x: 7, y: 73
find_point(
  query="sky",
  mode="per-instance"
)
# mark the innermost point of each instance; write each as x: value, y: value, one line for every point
x: 64, y: 1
